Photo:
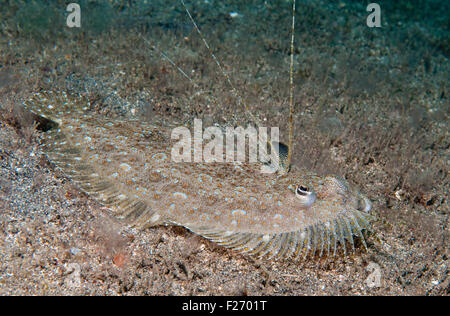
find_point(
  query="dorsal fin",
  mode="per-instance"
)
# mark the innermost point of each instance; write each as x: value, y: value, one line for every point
x: 55, y: 105
x: 312, y: 240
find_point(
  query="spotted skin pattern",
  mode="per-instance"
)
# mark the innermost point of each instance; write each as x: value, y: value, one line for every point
x: 126, y: 165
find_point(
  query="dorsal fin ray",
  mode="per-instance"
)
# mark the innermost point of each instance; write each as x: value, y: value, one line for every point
x: 312, y: 240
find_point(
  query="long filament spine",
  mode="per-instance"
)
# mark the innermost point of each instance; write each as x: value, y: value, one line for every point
x: 291, y: 94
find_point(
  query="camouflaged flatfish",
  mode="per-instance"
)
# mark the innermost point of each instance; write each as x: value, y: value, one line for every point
x: 126, y: 165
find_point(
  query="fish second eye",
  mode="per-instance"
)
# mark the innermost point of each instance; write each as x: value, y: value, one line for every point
x: 305, y: 196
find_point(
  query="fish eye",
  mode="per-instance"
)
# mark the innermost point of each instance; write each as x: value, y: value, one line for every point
x: 360, y: 204
x: 363, y: 204
x: 302, y: 190
x: 305, y: 195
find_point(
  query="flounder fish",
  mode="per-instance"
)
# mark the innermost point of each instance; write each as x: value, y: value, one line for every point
x: 126, y: 166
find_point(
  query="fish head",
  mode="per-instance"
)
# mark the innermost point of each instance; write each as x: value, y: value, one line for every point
x: 328, y: 191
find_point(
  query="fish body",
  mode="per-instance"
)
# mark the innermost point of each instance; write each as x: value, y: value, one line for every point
x: 127, y: 166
